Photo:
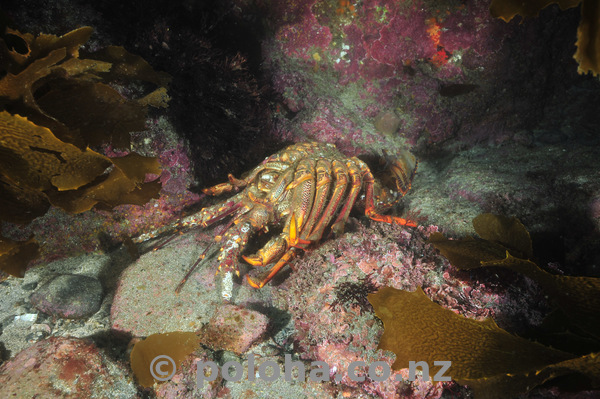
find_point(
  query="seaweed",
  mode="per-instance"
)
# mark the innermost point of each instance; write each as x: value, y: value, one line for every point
x: 55, y: 104
x: 587, y: 54
x: 498, y: 235
x: 67, y: 177
x: 176, y: 345
x: 506, y: 243
x: 492, y: 361
x: 15, y: 256
x: 508, y: 9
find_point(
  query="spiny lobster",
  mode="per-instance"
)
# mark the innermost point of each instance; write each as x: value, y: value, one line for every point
x: 301, y: 189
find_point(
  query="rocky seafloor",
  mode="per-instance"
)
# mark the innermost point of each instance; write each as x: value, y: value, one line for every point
x: 296, y: 314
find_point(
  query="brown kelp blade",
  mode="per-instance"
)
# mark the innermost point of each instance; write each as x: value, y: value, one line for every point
x: 493, y: 362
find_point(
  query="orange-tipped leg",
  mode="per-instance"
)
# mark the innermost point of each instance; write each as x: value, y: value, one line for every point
x: 295, y: 240
x: 232, y: 184
x: 288, y: 256
x: 370, y: 205
x: 389, y: 219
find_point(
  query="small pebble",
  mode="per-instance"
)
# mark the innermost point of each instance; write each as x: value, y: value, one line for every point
x: 35, y: 336
x: 29, y: 286
x: 26, y: 319
x: 42, y: 327
x: 69, y: 296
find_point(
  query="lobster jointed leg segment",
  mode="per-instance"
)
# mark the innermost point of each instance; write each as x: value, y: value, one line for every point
x: 354, y: 174
x: 304, y: 190
x: 339, y: 188
x: 323, y: 185
x: 273, y: 250
x: 285, y: 259
x: 370, y: 208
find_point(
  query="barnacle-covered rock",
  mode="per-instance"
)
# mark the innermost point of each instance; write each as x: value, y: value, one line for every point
x: 65, y: 368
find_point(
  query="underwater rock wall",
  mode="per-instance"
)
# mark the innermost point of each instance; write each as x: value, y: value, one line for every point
x: 448, y: 73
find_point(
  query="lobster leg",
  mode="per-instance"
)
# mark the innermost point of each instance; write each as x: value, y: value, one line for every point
x: 303, y: 192
x: 280, y: 249
x: 273, y: 249
x: 276, y: 247
x: 298, y: 230
x: 264, y: 279
x: 341, y: 182
x: 302, y: 202
x: 302, y: 189
x: 213, y: 214
x: 200, y: 258
x: 245, y: 231
x: 370, y: 209
x: 322, y: 190
x: 234, y: 239
x: 356, y: 177
x: 235, y: 184
x: 205, y: 218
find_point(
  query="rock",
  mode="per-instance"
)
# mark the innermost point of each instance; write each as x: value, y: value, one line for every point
x: 69, y: 296
x: 29, y: 286
x: 234, y: 328
x: 26, y: 319
x: 66, y: 368
x: 146, y: 303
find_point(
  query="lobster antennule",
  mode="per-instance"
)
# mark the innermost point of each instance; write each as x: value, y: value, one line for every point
x: 191, y: 270
x: 201, y: 257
